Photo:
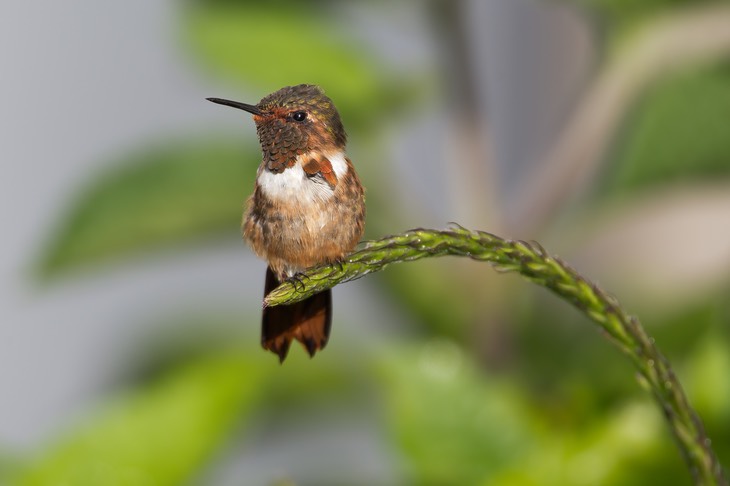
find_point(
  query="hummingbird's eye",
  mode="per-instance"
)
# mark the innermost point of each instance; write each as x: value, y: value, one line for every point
x: 299, y: 116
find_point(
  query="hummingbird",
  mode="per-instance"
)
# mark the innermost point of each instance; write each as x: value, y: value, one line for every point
x: 307, y: 207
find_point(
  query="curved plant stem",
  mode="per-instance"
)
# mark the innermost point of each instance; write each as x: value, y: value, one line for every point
x: 534, y: 263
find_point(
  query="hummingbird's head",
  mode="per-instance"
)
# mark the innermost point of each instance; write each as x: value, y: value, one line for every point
x: 293, y: 121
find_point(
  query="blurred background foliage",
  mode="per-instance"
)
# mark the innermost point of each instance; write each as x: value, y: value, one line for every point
x: 469, y: 378
x: 683, y: 118
x: 158, y: 196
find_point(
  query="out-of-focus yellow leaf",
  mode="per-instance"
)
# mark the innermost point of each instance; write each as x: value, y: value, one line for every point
x: 166, y: 195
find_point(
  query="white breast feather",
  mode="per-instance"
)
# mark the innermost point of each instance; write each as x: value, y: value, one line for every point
x: 339, y: 165
x: 294, y: 185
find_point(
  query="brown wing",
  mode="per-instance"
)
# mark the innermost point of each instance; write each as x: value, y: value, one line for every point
x: 320, y: 165
x: 308, y: 321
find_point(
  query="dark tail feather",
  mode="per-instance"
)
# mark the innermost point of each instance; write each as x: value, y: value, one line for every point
x: 308, y: 322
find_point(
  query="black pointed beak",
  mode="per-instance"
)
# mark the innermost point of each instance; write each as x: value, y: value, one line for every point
x: 235, y: 104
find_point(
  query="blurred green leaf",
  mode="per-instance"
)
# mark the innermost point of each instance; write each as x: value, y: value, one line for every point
x: 456, y: 425
x: 268, y: 45
x: 705, y: 376
x: 158, y: 197
x: 159, y: 435
x: 453, y: 425
x: 708, y: 377
x: 708, y: 386
x: 680, y: 131
x: 626, y: 446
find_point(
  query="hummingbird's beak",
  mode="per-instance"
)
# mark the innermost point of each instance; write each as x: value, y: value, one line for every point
x: 235, y: 104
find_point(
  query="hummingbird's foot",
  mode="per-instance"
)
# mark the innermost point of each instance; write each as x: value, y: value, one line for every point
x: 340, y: 265
x: 298, y: 281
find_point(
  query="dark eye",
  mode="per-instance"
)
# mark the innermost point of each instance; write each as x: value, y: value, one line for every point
x: 299, y: 116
